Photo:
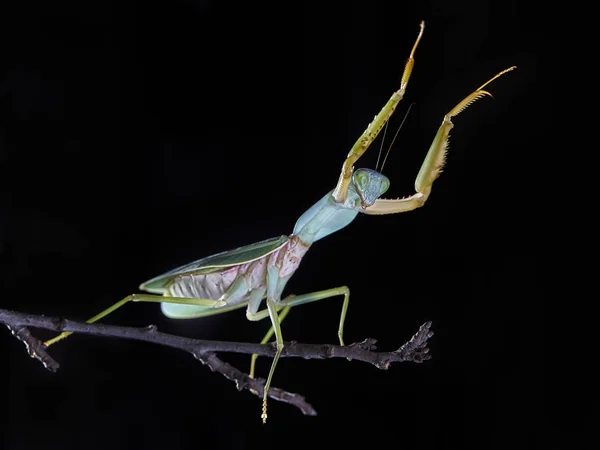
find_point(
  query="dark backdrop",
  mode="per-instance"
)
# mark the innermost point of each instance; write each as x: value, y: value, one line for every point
x: 138, y: 137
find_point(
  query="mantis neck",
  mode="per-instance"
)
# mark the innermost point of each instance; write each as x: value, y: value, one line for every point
x: 323, y: 218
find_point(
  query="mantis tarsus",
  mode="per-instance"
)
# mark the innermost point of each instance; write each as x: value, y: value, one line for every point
x: 248, y: 275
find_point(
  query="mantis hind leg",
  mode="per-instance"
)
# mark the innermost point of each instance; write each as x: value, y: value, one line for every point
x: 295, y: 300
x: 153, y: 299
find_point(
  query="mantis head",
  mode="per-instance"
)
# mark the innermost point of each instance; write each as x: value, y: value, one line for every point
x: 368, y: 185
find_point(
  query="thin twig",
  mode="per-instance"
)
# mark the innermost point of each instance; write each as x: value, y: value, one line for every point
x: 415, y: 350
x: 34, y: 346
x: 255, y: 385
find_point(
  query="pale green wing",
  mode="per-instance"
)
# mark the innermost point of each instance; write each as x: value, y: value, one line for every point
x: 216, y: 263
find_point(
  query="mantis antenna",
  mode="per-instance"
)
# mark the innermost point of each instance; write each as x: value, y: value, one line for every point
x: 381, y: 146
x: 394, y: 138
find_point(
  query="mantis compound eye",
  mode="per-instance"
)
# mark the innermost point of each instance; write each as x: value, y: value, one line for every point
x: 361, y: 179
x: 385, y: 185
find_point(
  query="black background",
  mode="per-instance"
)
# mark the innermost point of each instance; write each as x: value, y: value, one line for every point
x: 138, y: 137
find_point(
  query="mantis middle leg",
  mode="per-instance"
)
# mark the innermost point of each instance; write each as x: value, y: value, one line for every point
x: 295, y: 300
x: 273, y: 306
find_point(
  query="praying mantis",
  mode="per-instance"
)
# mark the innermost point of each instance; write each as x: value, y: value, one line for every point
x: 246, y: 276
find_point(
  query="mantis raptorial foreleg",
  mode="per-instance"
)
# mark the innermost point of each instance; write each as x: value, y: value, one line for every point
x: 295, y: 300
x: 370, y: 134
x: 434, y: 161
x: 216, y: 304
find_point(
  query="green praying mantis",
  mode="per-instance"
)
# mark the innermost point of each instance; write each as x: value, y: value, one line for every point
x: 246, y: 276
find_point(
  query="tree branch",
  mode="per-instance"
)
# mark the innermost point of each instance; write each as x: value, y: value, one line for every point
x: 415, y: 350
